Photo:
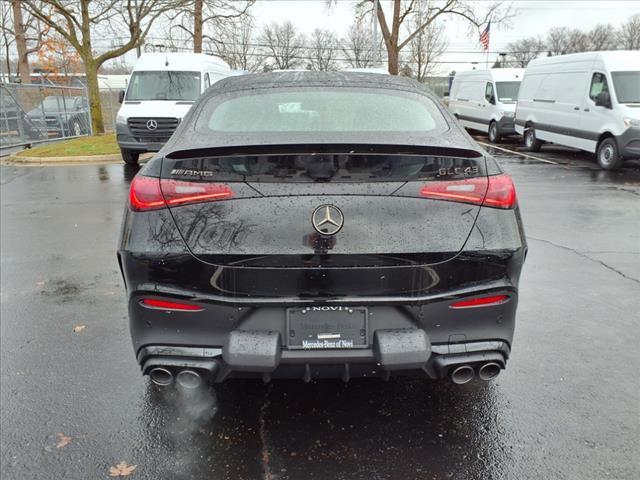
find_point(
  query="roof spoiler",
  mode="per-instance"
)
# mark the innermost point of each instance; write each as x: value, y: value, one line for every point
x: 323, y: 148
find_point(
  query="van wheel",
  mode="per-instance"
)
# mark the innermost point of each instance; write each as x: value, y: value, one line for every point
x: 530, y: 140
x: 129, y: 156
x: 494, y: 136
x: 607, y: 155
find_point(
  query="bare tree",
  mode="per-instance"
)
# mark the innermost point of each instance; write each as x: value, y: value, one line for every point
x: 284, y: 46
x: 557, y: 41
x: 323, y: 50
x: 28, y: 34
x: 235, y: 44
x: 200, y: 20
x: 577, y: 41
x: 427, y: 46
x: 358, y: 48
x: 629, y: 34
x: 602, y: 37
x: 8, y: 35
x: 476, y: 13
x: 76, y: 21
x: 521, y: 52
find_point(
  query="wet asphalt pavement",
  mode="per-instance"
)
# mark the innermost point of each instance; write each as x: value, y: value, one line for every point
x: 567, y: 407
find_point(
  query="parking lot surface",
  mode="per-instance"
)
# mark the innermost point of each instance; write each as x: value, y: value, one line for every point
x: 74, y: 404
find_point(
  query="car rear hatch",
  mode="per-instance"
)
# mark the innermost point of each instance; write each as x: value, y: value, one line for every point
x: 249, y: 215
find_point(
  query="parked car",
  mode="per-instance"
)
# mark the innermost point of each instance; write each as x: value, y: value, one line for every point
x: 62, y: 115
x: 485, y: 100
x: 589, y: 101
x: 308, y: 224
x: 15, y: 125
x: 162, y: 88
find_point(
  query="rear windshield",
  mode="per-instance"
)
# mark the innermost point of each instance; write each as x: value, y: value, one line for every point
x: 507, y: 91
x: 304, y: 168
x: 321, y: 110
x: 164, y: 86
x: 627, y: 86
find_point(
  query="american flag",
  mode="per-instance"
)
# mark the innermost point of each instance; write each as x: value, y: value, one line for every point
x: 484, y: 37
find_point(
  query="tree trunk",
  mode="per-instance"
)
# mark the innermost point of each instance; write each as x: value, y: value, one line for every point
x: 197, y: 26
x: 97, y: 123
x: 21, y: 42
x: 392, y: 59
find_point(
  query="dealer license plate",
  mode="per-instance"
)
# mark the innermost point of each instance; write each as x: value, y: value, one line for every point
x: 323, y: 327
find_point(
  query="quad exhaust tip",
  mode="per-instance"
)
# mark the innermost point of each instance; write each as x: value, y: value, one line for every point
x: 189, y: 379
x: 462, y: 374
x: 489, y: 371
x: 161, y: 376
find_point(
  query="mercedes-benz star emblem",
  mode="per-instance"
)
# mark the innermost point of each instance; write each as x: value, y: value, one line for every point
x: 327, y: 219
x: 152, y: 124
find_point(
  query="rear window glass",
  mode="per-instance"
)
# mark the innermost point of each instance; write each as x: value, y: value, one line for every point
x: 321, y: 110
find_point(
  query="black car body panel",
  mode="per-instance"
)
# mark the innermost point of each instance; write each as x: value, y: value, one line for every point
x: 248, y: 265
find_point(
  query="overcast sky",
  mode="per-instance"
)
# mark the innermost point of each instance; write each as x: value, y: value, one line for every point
x: 533, y: 17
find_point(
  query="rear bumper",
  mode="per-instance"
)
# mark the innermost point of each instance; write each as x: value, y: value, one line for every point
x: 235, y: 340
x: 386, y: 358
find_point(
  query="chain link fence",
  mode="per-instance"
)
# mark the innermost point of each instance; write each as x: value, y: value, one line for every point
x: 37, y: 113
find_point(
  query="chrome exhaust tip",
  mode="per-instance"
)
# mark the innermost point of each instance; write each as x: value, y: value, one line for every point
x: 489, y: 371
x: 462, y: 374
x: 189, y: 379
x: 161, y: 376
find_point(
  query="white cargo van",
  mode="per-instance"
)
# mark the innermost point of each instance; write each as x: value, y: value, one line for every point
x: 485, y: 100
x: 589, y: 101
x: 162, y: 88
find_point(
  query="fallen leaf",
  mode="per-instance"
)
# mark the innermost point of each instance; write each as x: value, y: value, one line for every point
x: 79, y: 328
x: 63, y: 440
x: 122, y: 470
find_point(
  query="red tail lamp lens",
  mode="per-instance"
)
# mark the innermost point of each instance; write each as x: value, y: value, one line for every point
x: 471, y: 190
x: 145, y: 194
x: 495, y: 191
x: 501, y: 192
x: 166, y: 305
x: 177, y: 192
x: 481, y: 302
x: 149, y: 193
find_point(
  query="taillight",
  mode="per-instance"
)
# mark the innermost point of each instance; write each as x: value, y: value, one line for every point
x: 177, y: 192
x: 145, y: 194
x: 170, y: 306
x: 495, y: 191
x: 501, y: 192
x: 149, y: 193
x: 481, y: 302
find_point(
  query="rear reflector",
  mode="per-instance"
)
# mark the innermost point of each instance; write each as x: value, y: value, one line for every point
x: 149, y: 193
x: 166, y: 305
x: 481, y: 302
x: 495, y: 191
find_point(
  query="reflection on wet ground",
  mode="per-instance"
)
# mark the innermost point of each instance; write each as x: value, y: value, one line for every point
x: 565, y: 408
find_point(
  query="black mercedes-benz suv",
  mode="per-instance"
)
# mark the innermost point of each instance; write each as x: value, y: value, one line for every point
x: 312, y: 225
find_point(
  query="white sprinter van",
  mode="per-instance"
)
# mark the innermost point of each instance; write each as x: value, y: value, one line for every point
x: 485, y: 100
x: 162, y: 88
x: 589, y: 101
